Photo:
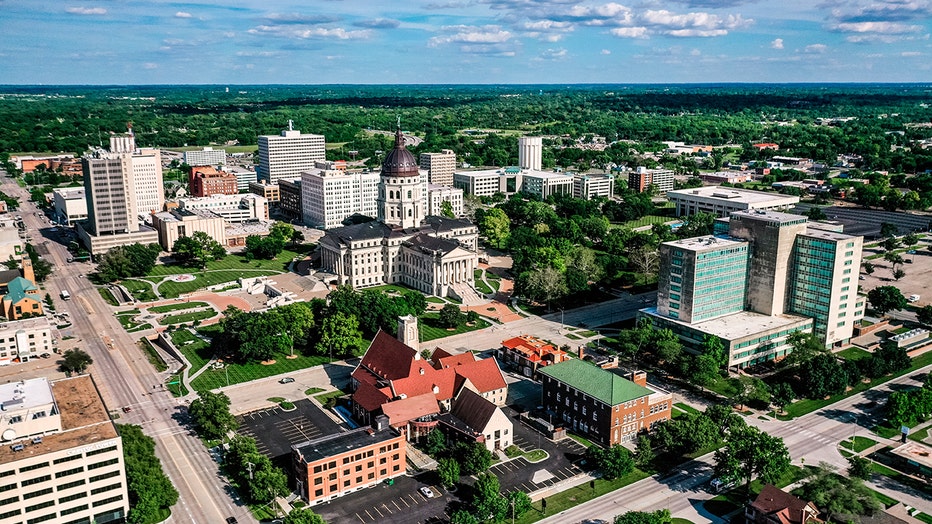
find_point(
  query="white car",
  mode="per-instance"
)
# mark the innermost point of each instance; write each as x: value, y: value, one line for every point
x: 427, y: 492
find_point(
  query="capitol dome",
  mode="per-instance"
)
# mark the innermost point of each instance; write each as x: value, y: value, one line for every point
x: 399, y: 161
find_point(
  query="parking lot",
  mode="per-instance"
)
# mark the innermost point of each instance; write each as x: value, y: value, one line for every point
x: 918, y: 279
x: 400, y: 503
x: 276, y: 430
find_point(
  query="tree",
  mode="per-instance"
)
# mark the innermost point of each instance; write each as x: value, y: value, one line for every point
x: 134, y: 260
x: 816, y: 213
x: 264, y: 248
x: 450, y: 316
x: 836, y: 495
x: 888, y: 230
x: 868, y: 267
x: 911, y: 239
x: 781, y: 394
x: 885, y: 299
x: 519, y: 502
x: 750, y: 453
x: 340, y: 335
x: 860, y: 467
x: 41, y: 269
x: 296, y: 237
x: 150, y: 490
x: 824, y: 376
x: 898, y: 274
x: 924, y: 315
x: 436, y: 443
x: 806, y: 346
x: 614, y: 462
x: 267, y: 481
x: 708, y: 364
x: 446, y: 209
x: 197, y: 249
x: 487, y: 499
x: 545, y: 285
x: 302, y: 516
x: 472, y: 456
x: 449, y: 471
x: 661, y: 516
x: 495, y: 226
x: 210, y: 413
x: 461, y: 516
x: 644, y: 453
x: 75, y: 361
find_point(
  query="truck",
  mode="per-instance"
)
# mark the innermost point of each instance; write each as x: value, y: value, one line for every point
x: 65, y: 295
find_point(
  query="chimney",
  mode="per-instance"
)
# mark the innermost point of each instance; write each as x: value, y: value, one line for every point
x: 638, y: 377
x: 581, y: 352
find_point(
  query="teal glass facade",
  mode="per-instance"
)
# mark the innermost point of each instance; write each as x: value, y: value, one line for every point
x: 811, y: 282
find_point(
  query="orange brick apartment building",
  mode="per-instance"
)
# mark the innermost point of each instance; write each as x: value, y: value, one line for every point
x: 204, y: 181
x: 601, y: 405
x: 334, y: 465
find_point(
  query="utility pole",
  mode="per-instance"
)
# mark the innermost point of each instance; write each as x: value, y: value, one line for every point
x: 249, y: 466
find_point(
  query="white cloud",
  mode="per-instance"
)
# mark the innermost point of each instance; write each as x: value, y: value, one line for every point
x: 815, y: 49
x: 889, y: 28
x: 777, y: 43
x: 462, y: 34
x: 605, y: 52
x: 292, y: 31
x: 910, y: 53
x: 553, y: 54
x: 182, y: 14
x: 630, y: 32
x: 150, y: 65
x: 695, y: 52
x: 87, y: 10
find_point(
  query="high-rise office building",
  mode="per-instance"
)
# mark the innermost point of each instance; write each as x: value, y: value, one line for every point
x: 330, y: 195
x: 530, y: 152
x: 108, y: 183
x: 288, y: 154
x: 148, y: 189
x: 798, y: 278
x: 62, y: 458
x: 642, y: 178
x: 440, y: 167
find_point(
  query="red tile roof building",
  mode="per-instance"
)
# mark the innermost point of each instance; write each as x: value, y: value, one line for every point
x: 775, y: 506
x: 528, y: 354
x: 393, y: 379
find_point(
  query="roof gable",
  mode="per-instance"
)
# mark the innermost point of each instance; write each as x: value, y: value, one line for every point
x: 605, y: 386
x: 472, y: 409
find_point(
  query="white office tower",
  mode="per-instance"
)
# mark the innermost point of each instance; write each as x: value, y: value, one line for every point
x: 108, y: 182
x: 530, y: 152
x: 206, y: 157
x: 285, y: 156
x: 147, y: 181
x: 330, y: 195
x: 440, y: 166
x: 123, y: 143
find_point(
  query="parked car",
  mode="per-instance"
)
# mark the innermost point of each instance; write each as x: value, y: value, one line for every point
x: 720, y: 484
x: 232, y: 520
x: 286, y: 380
x: 45, y: 355
x: 427, y: 492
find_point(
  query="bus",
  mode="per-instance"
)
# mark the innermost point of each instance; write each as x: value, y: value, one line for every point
x: 65, y: 295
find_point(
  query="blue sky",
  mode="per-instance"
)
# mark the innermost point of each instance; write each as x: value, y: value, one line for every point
x: 463, y: 41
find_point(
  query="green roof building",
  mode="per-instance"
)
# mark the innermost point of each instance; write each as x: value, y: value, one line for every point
x: 600, y: 404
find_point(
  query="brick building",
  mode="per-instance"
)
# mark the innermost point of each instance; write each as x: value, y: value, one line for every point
x: 600, y: 404
x: 334, y: 465
x: 527, y: 354
x: 204, y: 181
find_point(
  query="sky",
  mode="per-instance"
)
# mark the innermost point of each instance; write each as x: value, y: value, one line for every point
x: 463, y: 41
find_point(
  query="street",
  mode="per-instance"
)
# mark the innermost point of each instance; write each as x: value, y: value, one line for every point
x: 126, y: 378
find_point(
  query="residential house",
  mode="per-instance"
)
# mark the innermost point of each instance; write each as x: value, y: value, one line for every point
x: 775, y: 506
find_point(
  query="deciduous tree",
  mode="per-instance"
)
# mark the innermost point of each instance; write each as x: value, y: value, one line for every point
x: 75, y: 361
x: 210, y: 413
x: 885, y: 299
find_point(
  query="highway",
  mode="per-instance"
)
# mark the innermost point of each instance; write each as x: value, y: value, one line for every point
x: 126, y: 379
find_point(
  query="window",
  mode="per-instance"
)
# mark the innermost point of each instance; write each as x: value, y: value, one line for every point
x: 76, y: 496
x: 318, y: 493
x: 69, y: 485
x: 99, y: 451
x: 33, y: 467
x: 108, y: 501
x: 95, y: 491
x: 102, y: 464
x: 37, y: 480
x: 35, y: 494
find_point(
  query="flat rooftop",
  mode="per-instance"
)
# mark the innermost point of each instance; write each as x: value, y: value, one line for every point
x: 827, y: 234
x: 331, y: 445
x: 706, y: 243
x: 84, y: 420
x: 26, y: 323
x: 745, y: 196
x: 916, y: 453
x: 737, y: 326
x: 775, y: 217
x: 26, y: 394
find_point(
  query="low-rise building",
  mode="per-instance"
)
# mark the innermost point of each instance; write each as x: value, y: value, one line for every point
x: 100, y: 244
x: 510, y: 180
x: 184, y: 222
x: 244, y: 177
x: 437, y: 195
x: 233, y: 208
x: 62, y: 457
x: 289, y: 191
x: 22, y: 299
x: 266, y: 190
x: 70, y: 204
x: 642, y: 178
x: 334, y: 465
x: 205, y: 157
x: 545, y: 185
x: 593, y: 186
x: 23, y: 340
x: 722, y: 201
x: 775, y: 506
x: 205, y: 181
x: 600, y: 404
x: 528, y: 354
x: 11, y: 244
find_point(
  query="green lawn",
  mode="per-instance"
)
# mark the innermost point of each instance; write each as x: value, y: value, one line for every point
x: 312, y: 391
x: 328, y: 400
x: 860, y: 444
x: 482, y: 287
x: 237, y: 262
x: 853, y: 353
x: 431, y: 330
x: 140, y: 290
x: 687, y: 408
x: 802, y: 407
x: 648, y: 220
x: 391, y: 288
x: 194, y: 349
x: 175, y: 307
x: 925, y: 517
x: 919, y: 435
x: 239, y: 373
x: 107, y: 296
x: 577, y: 495
x: 171, y: 289
x: 187, y: 317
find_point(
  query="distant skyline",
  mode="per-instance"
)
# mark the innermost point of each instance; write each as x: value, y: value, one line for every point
x: 463, y: 41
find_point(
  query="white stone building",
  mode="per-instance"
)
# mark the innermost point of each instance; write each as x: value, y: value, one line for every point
x: 206, y: 157
x: 233, y: 208
x: 437, y: 195
x: 440, y: 166
x: 593, y: 186
x: 330, y: 195
x: 70, y: 204
x: 530, y: 152
x: 23, y: 340
x: 288, y: 154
